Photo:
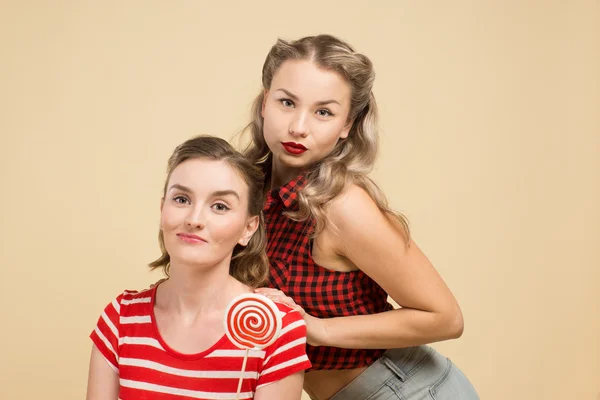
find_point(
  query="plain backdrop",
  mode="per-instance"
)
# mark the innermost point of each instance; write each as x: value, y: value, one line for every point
x: 490, y: 145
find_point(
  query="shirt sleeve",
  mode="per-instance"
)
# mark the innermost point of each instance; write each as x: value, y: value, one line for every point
x: 288, y: 354
x: 106, y: 334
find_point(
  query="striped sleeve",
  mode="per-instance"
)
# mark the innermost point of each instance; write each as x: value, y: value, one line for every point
x: 288, y: 354
x: 106, y: 334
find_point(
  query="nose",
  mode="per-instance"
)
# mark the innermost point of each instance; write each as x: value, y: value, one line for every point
x: 195, y: 218
x: 298, y: 125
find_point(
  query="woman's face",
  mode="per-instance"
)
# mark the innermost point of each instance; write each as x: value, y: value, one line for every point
x: 305, y: 114
x: 204, y: 213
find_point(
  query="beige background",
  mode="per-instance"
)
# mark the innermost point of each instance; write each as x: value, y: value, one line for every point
x: 491, y: 132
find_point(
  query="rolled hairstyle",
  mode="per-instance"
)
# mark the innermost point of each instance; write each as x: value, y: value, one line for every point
x: 352, y: 158
x: 249, y: 264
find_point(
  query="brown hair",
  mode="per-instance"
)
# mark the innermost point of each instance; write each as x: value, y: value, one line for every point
x: 352, y: 158
x: 249, y: 264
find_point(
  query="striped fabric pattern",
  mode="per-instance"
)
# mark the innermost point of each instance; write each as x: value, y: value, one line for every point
x: 127, y: 336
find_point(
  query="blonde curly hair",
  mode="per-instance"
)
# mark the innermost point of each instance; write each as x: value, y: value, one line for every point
x: 352, y: 158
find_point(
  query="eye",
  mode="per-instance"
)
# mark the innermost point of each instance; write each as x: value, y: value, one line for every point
x: 181, y: 200
x: 287, y: 103
x: 324, y: 113
x: 220, y: 207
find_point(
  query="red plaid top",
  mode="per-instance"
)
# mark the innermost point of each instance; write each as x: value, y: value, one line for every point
x: 321, y: 292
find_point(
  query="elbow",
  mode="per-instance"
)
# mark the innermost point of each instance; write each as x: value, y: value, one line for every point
x: 451, y: 325
x: 455, y: 324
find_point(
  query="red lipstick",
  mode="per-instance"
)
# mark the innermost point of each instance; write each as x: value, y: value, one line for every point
x: 294, y: 148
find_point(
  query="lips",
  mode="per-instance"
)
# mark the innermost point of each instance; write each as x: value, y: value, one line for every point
x: 189, y: 238
x: 294, y: 148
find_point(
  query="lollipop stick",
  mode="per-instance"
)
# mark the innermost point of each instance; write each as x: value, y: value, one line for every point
x: 237, y: 396
x: 251, y: 322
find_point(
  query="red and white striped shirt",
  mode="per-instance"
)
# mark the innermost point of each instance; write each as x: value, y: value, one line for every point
x: 127, y: 336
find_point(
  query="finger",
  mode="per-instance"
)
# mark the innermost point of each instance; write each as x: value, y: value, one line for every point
x: 266, y: 289
x: 277, y: 297
x: 299, y: 309
x: 283, y: 299
x: 269, y: 291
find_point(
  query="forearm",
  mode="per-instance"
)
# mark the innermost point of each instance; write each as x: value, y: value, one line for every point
x: 387, y: 330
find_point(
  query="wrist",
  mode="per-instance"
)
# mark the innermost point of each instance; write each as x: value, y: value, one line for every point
x: 317, y: 331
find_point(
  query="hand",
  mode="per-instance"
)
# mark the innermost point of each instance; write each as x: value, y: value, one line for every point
x: 316, y: 331
x: 280, y: 297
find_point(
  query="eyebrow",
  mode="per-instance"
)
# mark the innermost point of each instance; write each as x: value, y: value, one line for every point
x: 181, y: 187
x: 217, y: 193
x: 320, y: 103
x: 220, y: 193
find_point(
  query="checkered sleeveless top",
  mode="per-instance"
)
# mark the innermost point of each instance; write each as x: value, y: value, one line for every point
x: 322, y: 293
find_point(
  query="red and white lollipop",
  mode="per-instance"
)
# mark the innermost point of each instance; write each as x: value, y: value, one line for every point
x: 252, y: 322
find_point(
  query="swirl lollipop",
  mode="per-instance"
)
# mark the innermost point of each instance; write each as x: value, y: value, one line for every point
x: 252, y: 322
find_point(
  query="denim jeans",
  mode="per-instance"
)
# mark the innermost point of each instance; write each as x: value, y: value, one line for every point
x: 413, y: 373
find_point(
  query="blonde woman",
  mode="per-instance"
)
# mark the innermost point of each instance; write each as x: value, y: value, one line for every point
x: 336, y: 249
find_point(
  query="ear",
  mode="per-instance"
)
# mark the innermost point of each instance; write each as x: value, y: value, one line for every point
x: 264, y: 100
x: 251, y: 227
x: 162, y: 203
x: 346, y: 131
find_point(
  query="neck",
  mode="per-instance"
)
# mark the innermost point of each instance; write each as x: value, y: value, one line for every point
x: 193, y: 292
x: 280, y: 175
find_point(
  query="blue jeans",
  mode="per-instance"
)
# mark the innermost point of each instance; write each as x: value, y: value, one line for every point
x: 413, y: 373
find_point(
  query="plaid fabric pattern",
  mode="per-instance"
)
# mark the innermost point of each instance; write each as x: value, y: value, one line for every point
x: 321, y: 292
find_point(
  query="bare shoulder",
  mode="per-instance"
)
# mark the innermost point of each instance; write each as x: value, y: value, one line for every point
x: 353, y: 207
x: 355, y: 221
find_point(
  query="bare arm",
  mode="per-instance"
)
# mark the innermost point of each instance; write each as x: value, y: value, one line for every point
x: 378, y: 247
x: 103, y: 381
x: 289, y: 388
x: 374, y: 244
